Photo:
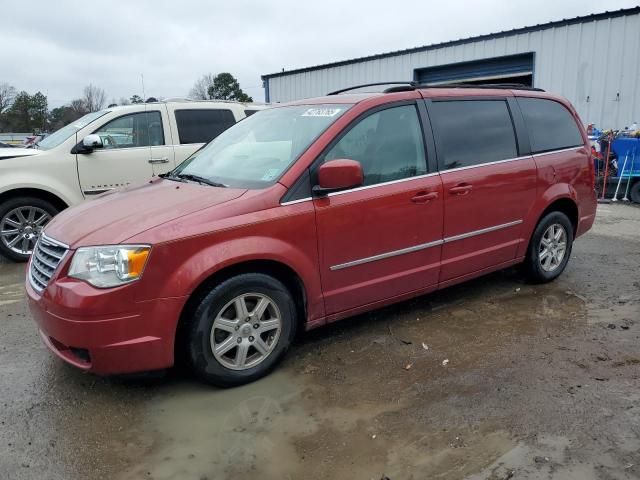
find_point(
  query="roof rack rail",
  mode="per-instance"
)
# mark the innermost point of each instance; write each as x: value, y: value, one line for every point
x: 504, y: 86
x: 407, y: 86
x: 355, y: 87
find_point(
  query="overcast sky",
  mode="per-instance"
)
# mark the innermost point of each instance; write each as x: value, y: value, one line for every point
x: 59, y: 46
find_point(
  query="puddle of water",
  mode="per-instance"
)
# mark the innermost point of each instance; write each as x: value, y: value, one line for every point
x: 10, y: 293
x: 281, y: 429
x: 614, y: 313
x: 208, y: 433
x: 557, y: 458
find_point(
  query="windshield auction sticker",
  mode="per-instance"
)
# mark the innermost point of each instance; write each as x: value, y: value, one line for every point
x: 322, y: 112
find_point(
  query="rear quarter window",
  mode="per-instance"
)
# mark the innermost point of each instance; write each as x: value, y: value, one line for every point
x: 472, y: 132
x: 202, y: 126
x: 550, y: 125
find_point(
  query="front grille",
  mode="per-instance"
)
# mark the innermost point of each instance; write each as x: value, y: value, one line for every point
x: 46, y: 257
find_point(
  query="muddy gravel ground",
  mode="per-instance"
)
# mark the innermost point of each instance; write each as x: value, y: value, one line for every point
x: 493, y: 379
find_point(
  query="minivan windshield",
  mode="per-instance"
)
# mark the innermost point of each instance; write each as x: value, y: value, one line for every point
x: 59, y: 136
x: 255, y: 152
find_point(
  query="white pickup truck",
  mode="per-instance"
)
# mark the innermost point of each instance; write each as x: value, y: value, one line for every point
x: 101, y: 151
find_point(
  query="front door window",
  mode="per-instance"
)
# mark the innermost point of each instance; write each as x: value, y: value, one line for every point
x: 143, y: 129
x: 388, y: 144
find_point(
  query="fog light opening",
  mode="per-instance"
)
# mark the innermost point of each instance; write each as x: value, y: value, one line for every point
x: 81, y: 354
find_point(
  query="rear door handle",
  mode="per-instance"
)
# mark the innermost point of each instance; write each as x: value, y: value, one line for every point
x: 159, y: 160
x: 461, y: 189
x: 424, y: 197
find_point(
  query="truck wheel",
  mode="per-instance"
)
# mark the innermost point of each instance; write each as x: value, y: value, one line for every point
x: 21, y: 222
x: 241, y: 330
x: 549, y: 248
x: 634, y: 192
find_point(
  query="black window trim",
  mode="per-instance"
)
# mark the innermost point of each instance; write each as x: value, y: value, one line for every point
x: 176, y: 110
x: 548, y: 150
x: 164, y: 138
x: 299, y: 193
x: 521, y: 145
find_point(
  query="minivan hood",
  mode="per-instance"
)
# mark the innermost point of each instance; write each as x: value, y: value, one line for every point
x: 18, y: 152
x: 116, y: 216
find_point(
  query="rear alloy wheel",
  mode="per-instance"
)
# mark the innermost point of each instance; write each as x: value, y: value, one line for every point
x: 21, y: 223
x: 241, y: 329
x: 552, y: 248
x: 549, y: 248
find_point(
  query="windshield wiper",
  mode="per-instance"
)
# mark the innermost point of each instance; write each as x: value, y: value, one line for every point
x: 199, y: 179
x: 169, y: 176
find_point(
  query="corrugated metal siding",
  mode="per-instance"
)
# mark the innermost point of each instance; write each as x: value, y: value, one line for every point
x: 589, y: 63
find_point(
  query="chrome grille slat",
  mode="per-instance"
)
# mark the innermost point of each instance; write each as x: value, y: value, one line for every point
x: 37, y: 284
x: 47, y: 255
x: 49, y: 252
x: 41, y: 259
x: 35, y: 277
x: 39, y: 276
x: 43, y: 272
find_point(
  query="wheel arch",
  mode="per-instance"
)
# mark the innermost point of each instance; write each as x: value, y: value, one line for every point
x: 565, y: 205
x: 563, y: 202
x: 276, y: 269
x: 46, y: 195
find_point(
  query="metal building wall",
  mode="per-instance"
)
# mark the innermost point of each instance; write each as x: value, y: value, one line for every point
x: 589, y: 63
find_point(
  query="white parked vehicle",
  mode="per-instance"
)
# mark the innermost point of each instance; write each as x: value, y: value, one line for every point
x: 103, y: 150
x: 13, y: 152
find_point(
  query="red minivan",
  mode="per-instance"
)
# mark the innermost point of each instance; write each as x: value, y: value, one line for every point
x: 307, y: 213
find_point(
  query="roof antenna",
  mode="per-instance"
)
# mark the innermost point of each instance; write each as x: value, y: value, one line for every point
x: 144, y: 95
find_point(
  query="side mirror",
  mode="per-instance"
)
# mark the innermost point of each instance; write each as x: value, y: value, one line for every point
x: 338, y: 175
x: 91, y: 142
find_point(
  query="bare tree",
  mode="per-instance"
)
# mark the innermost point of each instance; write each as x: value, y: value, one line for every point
x: 94, y: 98
x: 7, y: 94
x: 200, y: 89
x: 124, y: 101
x: 79, y: 106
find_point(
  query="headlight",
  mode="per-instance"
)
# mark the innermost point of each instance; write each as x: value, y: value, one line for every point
x: 109, y: 266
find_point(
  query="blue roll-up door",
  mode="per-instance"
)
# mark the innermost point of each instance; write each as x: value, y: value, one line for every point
x: 497, y: 68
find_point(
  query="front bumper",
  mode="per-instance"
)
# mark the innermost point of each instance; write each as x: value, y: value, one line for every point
x: 105, y: 332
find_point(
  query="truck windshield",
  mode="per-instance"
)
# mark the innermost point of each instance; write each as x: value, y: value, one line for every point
x: 59, y: 136
x: 255, y: 152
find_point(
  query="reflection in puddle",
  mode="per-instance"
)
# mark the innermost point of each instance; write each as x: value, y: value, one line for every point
x: 210, y: 433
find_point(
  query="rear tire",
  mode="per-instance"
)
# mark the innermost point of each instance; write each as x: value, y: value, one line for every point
x: 241, y: 330
x: 549, y: 249
x: 634, y: 192
x: 21, y: 222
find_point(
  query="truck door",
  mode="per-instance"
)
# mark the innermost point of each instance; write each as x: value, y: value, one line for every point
x: 136, y: 146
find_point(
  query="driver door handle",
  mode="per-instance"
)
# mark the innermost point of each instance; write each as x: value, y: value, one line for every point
x: 424, y: 197
x: 159, y: 160
x: 461, y: 189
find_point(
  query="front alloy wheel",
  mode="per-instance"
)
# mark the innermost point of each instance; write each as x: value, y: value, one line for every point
x: 245, y: 331
x: 240, y: 329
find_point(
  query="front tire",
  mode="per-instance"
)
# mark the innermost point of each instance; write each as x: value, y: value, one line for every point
x: 241, y: 330
x: 21, y: 222
x: 549, y: 249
